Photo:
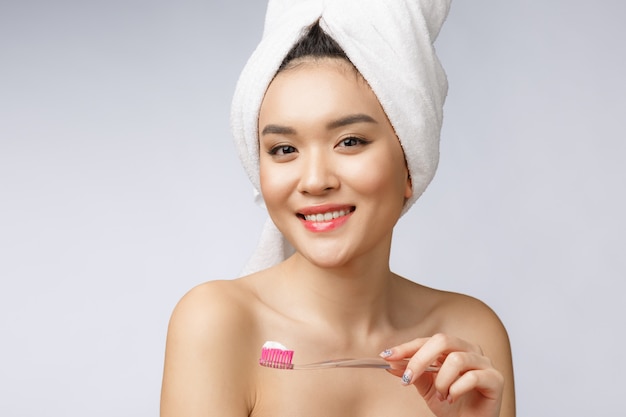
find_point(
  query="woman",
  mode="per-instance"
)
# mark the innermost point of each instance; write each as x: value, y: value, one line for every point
x: 335, y: 175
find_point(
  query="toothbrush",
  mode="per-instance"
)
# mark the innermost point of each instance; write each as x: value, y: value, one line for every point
x: 275, y: 355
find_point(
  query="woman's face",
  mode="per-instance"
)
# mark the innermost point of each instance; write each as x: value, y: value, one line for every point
x: 333, y: 174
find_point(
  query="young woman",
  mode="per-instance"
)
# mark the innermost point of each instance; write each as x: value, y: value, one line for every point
x: 334, y: 177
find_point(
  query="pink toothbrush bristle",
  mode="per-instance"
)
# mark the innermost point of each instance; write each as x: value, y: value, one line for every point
x: 276, y: 358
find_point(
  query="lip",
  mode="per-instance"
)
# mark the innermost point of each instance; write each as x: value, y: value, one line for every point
x: 327, y: 225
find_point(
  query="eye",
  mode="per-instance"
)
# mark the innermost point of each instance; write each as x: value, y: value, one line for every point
x: 352, y: 141
x: 282, y: 150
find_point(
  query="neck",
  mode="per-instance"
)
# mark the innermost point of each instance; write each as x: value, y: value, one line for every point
x: 353, y: 301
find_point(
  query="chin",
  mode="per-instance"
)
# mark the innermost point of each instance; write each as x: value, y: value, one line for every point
x: 328, y: 263
x: 329, y: 258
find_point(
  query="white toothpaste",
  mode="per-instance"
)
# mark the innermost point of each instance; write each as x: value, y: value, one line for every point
x: 273, y: 345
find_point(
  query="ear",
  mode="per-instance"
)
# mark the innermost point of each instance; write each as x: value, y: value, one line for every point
x: 408, y: 190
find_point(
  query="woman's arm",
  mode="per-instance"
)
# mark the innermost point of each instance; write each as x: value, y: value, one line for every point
x: 204, y: 356
x: 476, y: 375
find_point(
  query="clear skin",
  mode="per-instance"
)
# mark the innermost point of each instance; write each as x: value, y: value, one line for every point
x: 325, y: 145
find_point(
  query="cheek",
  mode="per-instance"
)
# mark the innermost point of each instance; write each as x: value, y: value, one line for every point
x: 382, y: 177
x: 274, y: 184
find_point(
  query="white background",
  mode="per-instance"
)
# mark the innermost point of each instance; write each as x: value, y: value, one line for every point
x: 120, y: 190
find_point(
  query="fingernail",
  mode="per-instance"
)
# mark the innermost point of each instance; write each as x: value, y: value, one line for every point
x: 449, y: 398
x: 386, y: 353
x: 406, y: 378
x: 440, y: 396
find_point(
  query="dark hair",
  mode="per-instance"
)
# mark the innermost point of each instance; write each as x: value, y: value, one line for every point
x: 316, y: 43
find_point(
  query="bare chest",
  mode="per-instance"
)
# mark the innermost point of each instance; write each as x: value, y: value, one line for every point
x: 335, y: 393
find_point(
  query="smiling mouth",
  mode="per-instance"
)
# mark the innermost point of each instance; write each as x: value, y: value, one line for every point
x: 326, y: 216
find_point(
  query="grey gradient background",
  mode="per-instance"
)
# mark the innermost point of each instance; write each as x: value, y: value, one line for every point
x: 120, y: 190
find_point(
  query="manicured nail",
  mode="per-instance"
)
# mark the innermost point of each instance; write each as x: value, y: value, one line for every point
x: 386, y: 353
x: 406, y: 378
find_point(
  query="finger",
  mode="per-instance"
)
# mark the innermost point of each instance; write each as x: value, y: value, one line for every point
x: 405, y: 350
x: 488, y: 382
x: 455, y: 365
x: 435, y: 349
x: 408, y: 349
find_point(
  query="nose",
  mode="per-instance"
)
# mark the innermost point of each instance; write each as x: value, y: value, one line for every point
x: 318, y: 173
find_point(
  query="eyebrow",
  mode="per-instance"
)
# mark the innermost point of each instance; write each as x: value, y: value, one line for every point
x: 344, y: 121
x: 351, y: 119
x: 278, y: 130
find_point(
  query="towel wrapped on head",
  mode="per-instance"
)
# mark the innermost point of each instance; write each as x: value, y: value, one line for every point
x: 390, y: 43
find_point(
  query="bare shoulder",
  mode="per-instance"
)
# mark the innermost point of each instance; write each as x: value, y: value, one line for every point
x: 450, y: 312
x: 212, y: 303
x: 471, y: 319
x: 208, y: 339
x: 462, y: 316
x: 212, y: 312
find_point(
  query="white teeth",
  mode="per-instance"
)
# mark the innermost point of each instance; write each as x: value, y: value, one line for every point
x: 325, y: 217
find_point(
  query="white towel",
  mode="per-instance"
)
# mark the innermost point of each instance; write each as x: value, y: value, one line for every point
x: 390, y: 42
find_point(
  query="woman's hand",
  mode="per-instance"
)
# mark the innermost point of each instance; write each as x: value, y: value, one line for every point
x: 466, y: 385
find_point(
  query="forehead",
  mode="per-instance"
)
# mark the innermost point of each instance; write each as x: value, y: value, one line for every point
x: 314, y: 85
